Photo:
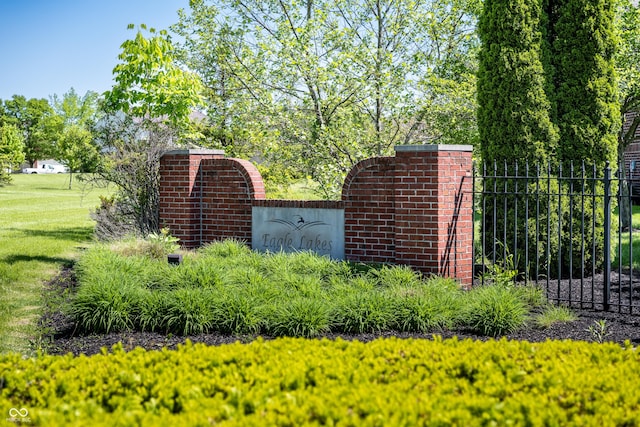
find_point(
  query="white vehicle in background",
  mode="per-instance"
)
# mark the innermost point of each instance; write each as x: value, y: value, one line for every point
x: 46, y: 168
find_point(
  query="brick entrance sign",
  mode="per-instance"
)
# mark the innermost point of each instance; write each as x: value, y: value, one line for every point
x: 414, y: 208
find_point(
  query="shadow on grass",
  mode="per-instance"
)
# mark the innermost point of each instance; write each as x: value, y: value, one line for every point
x: 72, y: 234
x: 11, y: 259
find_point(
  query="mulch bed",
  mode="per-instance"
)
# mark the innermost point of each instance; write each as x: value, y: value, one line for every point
x: 63, y: 339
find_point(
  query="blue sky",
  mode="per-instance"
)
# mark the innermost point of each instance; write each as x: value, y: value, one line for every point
x: 49, y: 46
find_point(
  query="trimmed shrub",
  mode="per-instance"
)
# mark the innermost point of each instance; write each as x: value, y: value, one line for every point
x: 297, y: 382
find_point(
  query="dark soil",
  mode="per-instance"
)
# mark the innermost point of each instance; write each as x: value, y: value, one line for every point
x: 61, y: 336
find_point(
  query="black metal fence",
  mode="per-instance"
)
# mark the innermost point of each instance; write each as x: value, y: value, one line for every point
x: 569, y: 231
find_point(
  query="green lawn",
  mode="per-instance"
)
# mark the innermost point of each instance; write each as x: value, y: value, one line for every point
x: 620, y: 247
x: 43, y: 225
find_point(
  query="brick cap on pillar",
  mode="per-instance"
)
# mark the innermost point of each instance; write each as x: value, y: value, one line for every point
x: 194, y: 151
x: 433, y: 147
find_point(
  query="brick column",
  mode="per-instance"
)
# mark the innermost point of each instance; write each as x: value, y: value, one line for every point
x: 179, y: 205
x: 433, y: 209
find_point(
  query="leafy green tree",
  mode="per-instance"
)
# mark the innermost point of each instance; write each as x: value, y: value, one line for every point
x: 547, y: 93
x: 628, y: 71
x: 328, y: 83
x: 75, y: 147
x: 514, y: 117
x: 149, y: 82
x: 11, y: 151
x: 36, y: 120
x: 77, y: 151
x: 153, y: 98
x: 583, y: 47
x: 76, y: 109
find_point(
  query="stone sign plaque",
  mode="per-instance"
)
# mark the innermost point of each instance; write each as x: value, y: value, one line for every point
x: 298, y: 229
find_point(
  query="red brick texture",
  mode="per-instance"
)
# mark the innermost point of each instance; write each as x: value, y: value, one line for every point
x: 434, y: 215
x: 179, y: 207
x: 206, y: 197
x: 414, y: 208
x: 369, y: 211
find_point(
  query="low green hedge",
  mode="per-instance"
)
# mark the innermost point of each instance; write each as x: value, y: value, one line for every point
x: 294, y: 382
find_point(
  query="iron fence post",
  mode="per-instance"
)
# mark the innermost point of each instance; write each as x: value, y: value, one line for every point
x: 607, y: 236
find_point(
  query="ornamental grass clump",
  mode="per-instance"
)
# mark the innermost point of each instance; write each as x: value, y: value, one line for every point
x: 107, y: 307
x: 189, y: 311
x: 237, y: 314
x: 224, y: 287
x: 300, y: 317
x: 494, y: 310
x: 361, y: 311
x: 196, y: 272
x: 153, y: 309
x: 435, y: 305
x: 553, y: 314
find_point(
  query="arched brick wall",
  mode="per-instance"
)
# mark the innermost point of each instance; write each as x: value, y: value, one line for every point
x: 179, y: 210
x: 206, y: 197
x: 414, y: 208
x: 228, y: 187
x: 369, y: 211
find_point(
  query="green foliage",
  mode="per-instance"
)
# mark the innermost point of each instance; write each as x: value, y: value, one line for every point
x: 628, y: 67
x: 189, y: 311
x: 39, y: 125
x: 153, y: 310
x: 161, y: 244
x: 226, y: 287
x: 436, y: 305
x: 149, y: 83
x: 599, y: 330
x: 77, y: 151
x: 237, y: 313
x: 110, y: 306
x: 301, y: 317
x: 331, y: 382
x: 514, y: 109
x: 75, y: 146
x: 494, y: 311
x: 585, y: 90
x: 547, y: 94
x: 360, y: 311
x: 75, y: 109
x: 553, y: 314
x: 312, y: 88
x: 155, y: 245
x: 11, y: 151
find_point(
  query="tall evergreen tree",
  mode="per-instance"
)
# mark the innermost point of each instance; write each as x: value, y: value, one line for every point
x: 585, y: 90
x: 547, y: 93
x: 585, y: 93
x: 514, y: 120
x: 513, y: 108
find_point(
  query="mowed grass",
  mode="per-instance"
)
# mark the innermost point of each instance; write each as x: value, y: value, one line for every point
x: 43, y: 226
x: 625, y: 245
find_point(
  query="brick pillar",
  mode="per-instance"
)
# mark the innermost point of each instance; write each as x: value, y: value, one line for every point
x: 179, y: 205
x: 433, y: 209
